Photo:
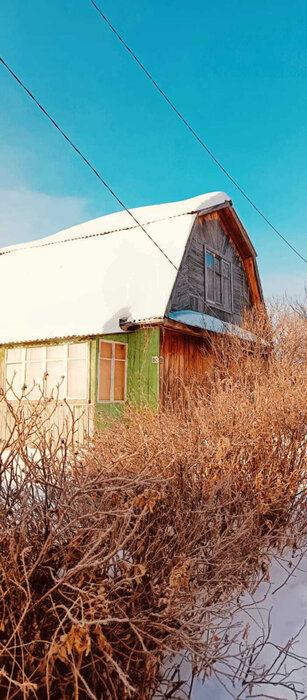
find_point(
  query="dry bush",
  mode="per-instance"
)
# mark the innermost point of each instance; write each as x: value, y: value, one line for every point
x: 116, y: 559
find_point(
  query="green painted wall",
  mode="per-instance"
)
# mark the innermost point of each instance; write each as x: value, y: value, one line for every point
x: 142, y: 373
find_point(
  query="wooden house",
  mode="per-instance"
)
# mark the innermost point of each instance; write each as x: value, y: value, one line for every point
x: 100, y: 309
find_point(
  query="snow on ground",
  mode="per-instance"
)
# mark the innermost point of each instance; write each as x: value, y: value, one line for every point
x: 289, y: 611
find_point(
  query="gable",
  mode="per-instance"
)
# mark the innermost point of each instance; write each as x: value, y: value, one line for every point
x: 213, y: 278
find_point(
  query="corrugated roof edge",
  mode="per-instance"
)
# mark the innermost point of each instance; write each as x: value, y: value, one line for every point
x: 85, y: 336
x: 28, y: 246
x: 221, y: 199
x: 57, y: 339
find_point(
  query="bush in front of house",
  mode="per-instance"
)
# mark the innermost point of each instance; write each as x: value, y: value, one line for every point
x: 121, y: 559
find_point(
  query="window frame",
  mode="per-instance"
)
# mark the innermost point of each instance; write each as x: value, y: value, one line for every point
x: 216, y: 254
x: 69, y: 359
x: 112, y: 361
x: 65, y: 361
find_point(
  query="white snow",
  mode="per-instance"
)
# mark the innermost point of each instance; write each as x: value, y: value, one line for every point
x: 209, y: 323
x: 81, y: 281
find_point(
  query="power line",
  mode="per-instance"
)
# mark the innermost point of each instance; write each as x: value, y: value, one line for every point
x: 193, y: 132
x: 86, y: 161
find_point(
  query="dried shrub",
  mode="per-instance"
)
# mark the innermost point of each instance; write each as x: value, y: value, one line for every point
x: 117, y: 558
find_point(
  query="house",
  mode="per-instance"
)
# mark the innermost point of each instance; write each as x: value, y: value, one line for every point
x: 118, y: 312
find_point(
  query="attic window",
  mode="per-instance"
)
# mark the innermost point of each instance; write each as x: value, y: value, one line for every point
x: 112, y: 371
x: 218, y: 280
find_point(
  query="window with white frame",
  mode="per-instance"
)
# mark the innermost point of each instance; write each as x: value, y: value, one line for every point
x: 112, y: 371
x: 39, y: 368
x: 218, y: 280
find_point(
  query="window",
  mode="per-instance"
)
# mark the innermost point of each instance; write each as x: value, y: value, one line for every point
x: 218, y: 280
x: 14, y: 370
x: 112, y: 371
x: 66, y: 365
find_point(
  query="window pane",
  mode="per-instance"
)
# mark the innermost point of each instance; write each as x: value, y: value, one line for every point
x: 34, y: 354
x: 56, y: 352
x: 226, y: 293
x: 217, y: 265
x: 34, y: 374
x: 210, y: 283
x: 77, y: 379
x: 77, y: 351
x: 209, y: 260
x: 120, y: 351
x: 225, y: 269
x: 119, y: 381
x: 218, y: 289
x: 14, y: 355
x: 55, y: 372
x: 105, y: 349
x: 105, y: 380
x: 14, y: 376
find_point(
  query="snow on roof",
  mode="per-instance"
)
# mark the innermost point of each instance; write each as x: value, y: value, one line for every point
x: 82, y: 280
x: 206, y: 322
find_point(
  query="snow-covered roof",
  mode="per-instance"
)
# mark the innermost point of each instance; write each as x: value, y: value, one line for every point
x: 82, y: 280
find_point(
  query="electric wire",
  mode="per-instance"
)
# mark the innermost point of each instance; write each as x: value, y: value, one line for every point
x: 193, y: 132
x: 102, y: 180
x: 86, y: 161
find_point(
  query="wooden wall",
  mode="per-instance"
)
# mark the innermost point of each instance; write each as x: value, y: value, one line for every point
x: 183, y: 359
x: 189, y: 290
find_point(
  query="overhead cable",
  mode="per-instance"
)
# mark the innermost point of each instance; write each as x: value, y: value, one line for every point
x: 102, y: 180
x: 86, y: 161
x: 193, y: 132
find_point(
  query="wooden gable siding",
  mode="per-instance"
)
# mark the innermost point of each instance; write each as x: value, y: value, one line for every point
x: 189, y: 289
x: 183, y: 358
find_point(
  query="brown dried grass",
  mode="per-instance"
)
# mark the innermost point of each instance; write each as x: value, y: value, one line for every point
x: 117, y: 558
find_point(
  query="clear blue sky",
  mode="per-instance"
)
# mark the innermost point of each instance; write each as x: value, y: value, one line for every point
x: 237, y: 70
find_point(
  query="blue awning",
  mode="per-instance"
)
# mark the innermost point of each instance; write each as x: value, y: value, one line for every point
x: 206, y: 322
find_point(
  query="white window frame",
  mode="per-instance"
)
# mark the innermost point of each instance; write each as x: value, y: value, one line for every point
x: 216, y: 254
x: 23, y: 362
x: 67, y: 359
x: 112, y: 361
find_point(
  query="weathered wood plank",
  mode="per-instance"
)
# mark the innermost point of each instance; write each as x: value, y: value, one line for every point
x: 184, y: 357
x: 189, y: 290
